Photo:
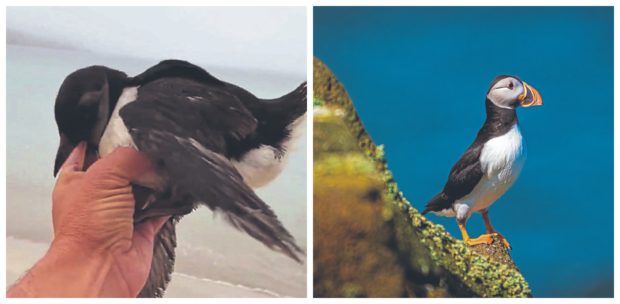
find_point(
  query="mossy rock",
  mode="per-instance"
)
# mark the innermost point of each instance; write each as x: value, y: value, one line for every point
x: 368, y: 239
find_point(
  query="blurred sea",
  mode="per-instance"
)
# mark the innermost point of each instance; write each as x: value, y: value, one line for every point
x: 418, y: 76
x: 213, y: 259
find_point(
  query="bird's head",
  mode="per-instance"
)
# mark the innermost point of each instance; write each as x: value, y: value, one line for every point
x: 510, y: 92
x: 83, y: 107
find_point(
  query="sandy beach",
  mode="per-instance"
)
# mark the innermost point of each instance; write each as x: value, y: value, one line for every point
x: 25, y: 253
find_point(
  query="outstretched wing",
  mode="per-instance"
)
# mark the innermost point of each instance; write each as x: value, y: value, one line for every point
x: 187, y: 138
x: 209, y: 178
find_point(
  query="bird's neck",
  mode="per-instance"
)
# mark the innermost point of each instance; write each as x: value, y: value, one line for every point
x: 499, y: 120
x: 501, y: 115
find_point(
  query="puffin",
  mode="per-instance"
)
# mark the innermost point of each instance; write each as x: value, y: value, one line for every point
x: 211, y: 144
x: 492, y: 163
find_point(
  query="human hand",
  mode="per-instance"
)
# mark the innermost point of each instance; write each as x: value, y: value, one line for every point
x: 95, y: 240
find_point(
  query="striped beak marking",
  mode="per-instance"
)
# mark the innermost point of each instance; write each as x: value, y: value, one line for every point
x: 530, y: 97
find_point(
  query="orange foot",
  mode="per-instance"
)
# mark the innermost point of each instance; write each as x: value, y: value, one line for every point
x: 483, y: 239
x: 488, y: 239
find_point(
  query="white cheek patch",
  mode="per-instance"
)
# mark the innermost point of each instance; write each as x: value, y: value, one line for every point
x: 504, y: 97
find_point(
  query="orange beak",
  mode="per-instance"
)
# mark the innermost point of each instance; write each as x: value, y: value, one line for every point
x: 530, y: 96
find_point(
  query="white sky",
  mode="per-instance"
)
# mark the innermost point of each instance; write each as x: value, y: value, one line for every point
x: 265, y: 38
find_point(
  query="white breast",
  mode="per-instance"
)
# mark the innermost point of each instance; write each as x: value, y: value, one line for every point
x: 502, y: 159
x: 260, y: 166
x: 116, y: 134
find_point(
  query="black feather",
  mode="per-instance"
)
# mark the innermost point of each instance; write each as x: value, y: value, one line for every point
x: 440, y: 202
x: 205, y: 177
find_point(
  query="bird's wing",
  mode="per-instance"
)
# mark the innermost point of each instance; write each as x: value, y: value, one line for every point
x: 209, y: 178
x: 210, y: 114
x: 463, y: 178
x: 194, y: 165
x: 465, y: 174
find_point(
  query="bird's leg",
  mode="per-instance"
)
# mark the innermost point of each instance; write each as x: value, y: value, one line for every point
x: 483, y: 239
x: 491, y: 231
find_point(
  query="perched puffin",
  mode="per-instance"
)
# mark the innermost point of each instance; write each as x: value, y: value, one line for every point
x: 492, y: 163
x: 210, y: 142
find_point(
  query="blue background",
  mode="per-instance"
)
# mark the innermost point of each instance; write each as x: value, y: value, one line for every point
x: 418, y: 78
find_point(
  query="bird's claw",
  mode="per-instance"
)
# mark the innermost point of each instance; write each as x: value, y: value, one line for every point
x: 504, y: 240
x: 488, y: 239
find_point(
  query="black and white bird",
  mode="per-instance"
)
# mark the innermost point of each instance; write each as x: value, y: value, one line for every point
x: 492, y: 163
x: 210, y: 142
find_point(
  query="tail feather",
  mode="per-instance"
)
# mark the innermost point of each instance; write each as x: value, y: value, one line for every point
x: 162, y: 264
x: 289, y: 107
x: 298, y: 95
x: 439, y: 202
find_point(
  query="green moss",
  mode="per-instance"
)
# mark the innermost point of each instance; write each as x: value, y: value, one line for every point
x: 317, y: 102
x: 425, y: 249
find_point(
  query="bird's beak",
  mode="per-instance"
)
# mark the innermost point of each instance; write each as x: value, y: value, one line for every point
x: 530, y: 97
x: 66, y: 147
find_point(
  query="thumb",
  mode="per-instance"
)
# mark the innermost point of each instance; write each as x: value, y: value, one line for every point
x: 75, y: 160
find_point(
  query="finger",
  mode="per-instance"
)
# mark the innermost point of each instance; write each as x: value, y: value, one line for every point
x: 126, y: 162
x: 75, y: 160
x: 149, y: 228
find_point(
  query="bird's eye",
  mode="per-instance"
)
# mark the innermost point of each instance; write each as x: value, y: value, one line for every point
x: 511, y: 85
